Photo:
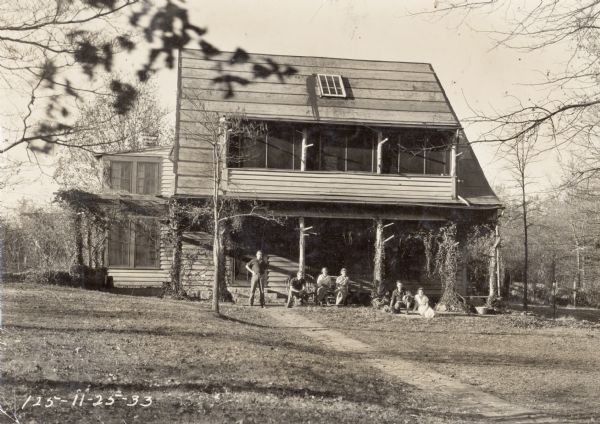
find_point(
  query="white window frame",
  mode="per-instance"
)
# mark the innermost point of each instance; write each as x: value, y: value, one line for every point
x: 329, y: 89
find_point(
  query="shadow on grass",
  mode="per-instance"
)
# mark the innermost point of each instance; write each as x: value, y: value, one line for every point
x: 267, y: 340
x: 58, y: 387
x: 240, y: 321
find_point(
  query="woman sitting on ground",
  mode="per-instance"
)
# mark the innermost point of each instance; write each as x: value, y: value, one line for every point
x: 422, y: 304
x: 341, y: 287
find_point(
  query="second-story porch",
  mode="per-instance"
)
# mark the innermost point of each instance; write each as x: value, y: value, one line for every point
x: 338, y: 163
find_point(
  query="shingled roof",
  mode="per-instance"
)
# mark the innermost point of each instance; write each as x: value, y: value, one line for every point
x: 278, y: 87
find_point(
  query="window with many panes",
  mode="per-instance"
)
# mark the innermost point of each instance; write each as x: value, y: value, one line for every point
x: 134, y: 244
x: 346, y: 149
x: 140, y: 176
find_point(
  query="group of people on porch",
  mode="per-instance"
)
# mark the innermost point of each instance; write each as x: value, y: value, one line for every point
x: 327, y: 288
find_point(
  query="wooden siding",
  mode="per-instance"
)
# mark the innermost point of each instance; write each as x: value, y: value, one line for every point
x: 268, y: 184
x: 167, y: 177
x: 280, y: 269
x: 192, y: 151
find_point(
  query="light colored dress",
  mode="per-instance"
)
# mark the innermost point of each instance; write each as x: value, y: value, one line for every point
x: 423, y: 308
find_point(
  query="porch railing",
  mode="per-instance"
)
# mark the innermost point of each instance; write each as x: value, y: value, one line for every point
x: 272, y: 184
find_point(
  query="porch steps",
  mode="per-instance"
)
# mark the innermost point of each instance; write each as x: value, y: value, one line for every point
x: 241, y: 294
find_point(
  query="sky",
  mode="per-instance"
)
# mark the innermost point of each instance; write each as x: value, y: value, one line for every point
x: 476, y: 74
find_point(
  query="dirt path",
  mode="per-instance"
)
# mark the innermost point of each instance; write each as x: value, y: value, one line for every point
x: 467, y: 398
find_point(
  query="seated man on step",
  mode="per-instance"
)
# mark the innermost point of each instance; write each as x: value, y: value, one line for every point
x: 297, y: 289
x: 400, y: 299
x: 325, y: 286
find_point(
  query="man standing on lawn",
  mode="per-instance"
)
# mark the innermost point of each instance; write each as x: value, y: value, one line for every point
x: 258, y: 267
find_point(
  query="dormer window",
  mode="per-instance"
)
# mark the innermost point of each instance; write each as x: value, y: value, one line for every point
x: 331, y: 85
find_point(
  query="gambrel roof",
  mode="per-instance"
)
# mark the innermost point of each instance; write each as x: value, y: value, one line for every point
x: 278, y: 87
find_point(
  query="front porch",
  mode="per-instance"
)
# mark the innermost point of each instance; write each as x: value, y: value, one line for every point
x: 315, y: 242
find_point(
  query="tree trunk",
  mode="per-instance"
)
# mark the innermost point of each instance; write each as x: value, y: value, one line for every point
x: 492, y: 280
x: 78, y: 239
x: 448, y: 248
x: 96, y: 246
x: 577, y: 281
x: 216, y: 255
x: 379, y: 255
x: 104, y: 233
x: 89, y: 242
x: 492, y: 271
x: 526, y: 252
x: 177, y: 237
x: 223, y: 293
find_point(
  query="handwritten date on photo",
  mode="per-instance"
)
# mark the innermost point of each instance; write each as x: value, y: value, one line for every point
x: 86, y: 399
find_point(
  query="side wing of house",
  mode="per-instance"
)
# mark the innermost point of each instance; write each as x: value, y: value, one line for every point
x: 137, y: 185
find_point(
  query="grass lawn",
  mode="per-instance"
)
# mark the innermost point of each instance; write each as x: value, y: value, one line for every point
x: 58, y: 343
x: 545, y: 365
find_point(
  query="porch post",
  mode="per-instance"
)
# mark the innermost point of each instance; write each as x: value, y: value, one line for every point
x: 380, y: 142
x: 304, y: 148
x: 378, y: 261
x: 302, y: 233
x: 497, y: 253
x: 453, y: 156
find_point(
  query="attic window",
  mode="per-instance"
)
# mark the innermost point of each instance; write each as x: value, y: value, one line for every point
x: 331, y: 85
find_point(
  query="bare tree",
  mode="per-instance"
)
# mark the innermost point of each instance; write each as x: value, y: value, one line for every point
x: 520, y: 153
x: 47, y: 46
x: 214, y: 131
x: 567, y: 111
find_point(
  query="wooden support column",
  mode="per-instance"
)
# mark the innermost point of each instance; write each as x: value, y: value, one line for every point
x: 380, y: 142
x: 304, y: 148
x: 301, y: 245
x: 379, y: 241
x: 497, y: 253
x: 378, y: 260
x: 453, y: 156
x: 302, y: 227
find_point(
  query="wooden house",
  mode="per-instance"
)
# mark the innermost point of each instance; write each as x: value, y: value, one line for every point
x: 354, y: 154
